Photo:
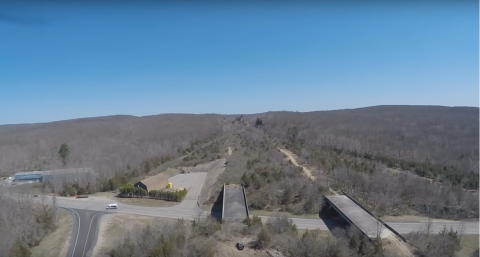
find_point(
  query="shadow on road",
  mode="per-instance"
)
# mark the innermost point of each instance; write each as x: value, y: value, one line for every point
x: 216, y: 210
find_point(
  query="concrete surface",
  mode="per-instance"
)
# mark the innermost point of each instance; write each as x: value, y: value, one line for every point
x: 84, y: 232
x: 193, y: 182
x: 359, y: 217
x: 234, y: 209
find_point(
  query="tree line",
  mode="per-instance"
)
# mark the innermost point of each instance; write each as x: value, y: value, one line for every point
x: 130, y: 191
x: 385, y: 193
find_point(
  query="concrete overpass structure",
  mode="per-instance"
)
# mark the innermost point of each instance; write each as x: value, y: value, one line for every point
x: 360, y: 217
x: 235, y: 208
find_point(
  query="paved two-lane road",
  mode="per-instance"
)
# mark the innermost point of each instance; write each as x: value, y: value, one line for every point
x: 84, y: 232
x: 189, y: 213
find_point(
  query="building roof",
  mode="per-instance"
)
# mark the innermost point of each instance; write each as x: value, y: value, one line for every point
x: 68, y: 171
x: 26, y: 173
x: 155, y: 182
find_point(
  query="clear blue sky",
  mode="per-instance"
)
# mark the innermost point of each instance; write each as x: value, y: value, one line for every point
x: 63, y: 62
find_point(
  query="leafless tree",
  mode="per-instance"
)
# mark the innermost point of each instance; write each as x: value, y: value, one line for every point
x: 428, y: 227
x: 461, y: 232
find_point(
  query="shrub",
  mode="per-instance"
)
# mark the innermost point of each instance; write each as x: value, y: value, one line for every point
x: 130, y: 190
x: 20, y: 249
x: 176, y: 196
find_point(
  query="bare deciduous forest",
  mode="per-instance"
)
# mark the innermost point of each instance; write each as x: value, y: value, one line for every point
x: 23, y: 224
x: 111, y: 145
x: 204, y: 238
x: 394, y: 159
x: 434, y: 142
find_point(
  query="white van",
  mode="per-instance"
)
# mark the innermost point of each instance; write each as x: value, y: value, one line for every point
x: 112, y: 206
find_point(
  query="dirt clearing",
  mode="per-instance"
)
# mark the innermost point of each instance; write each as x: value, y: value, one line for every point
x: 56, y: 243
x: 116, y: 224
x: 394, y: 244
x: 227, y: 248
x: 215, y: 169
x: 469, y: 244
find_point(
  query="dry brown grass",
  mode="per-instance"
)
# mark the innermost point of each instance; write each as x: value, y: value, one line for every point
x: 290, y: 215
x: 469, y: 244
x: 228, y: 249
x: 215, y: 169
x: 56, y: 243
x: 116, y: 224
x: 393, y: 244
x: 410, y: 218
x: 29, y: 188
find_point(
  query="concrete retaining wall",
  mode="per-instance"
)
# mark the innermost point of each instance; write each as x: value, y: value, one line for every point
x: 245, y: 197
x: 223, y: 203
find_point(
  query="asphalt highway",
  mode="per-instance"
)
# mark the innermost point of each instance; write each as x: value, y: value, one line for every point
x: 88, y: 210
x: 189, y: 210
x: 84, y: 232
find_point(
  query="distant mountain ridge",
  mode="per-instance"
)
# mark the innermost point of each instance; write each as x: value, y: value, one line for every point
x: 432, y: 133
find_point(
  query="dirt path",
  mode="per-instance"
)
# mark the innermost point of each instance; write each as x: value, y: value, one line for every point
x: 399, y: 245
x: 307, y: 171
x: 292, y: 158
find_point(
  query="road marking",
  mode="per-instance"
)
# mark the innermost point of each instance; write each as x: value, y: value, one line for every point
x: 88, y: 233
x: 78, y: 230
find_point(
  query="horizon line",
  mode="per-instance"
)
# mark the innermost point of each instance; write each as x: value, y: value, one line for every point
x: 232, y: 114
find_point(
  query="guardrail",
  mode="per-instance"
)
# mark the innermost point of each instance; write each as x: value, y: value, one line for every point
x: 377, y: 218
x: 245, y: 199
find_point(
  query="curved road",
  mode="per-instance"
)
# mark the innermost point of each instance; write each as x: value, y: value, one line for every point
x: 84, y: 232
x: 88, y: 210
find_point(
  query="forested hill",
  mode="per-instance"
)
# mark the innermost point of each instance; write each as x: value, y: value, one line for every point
x: 425, y: 139
x: 108, y: 144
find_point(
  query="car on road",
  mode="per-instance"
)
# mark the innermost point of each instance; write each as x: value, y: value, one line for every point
x: 112, y: 206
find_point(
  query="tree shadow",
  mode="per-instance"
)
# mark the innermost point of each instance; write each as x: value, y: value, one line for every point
x: 217, y: 207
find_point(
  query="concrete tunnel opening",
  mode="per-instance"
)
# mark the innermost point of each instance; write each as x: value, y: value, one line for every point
x: 332, y: 218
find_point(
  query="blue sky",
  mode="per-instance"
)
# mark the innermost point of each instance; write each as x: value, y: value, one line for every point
x: 63, y: 62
